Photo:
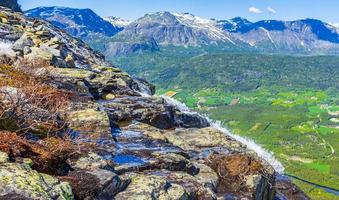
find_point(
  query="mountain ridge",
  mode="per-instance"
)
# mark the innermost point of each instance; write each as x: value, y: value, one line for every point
x: 78, y: 22
x: 305, y: 36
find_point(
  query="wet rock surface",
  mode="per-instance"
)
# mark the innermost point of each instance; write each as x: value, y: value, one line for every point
x: 137, y: 146
x: 154, y: 111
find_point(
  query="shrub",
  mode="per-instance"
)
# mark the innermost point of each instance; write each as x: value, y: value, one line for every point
x: 49, y: 155
x: 232, y: 171
x: 33, y: 105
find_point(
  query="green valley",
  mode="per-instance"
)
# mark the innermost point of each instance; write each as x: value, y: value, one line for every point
x: 288, y: 104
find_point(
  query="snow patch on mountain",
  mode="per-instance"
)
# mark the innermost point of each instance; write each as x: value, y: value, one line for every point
x: 117, y: 21
x: 208, y: 25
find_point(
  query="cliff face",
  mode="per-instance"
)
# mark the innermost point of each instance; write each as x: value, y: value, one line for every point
x: 12, y: 4
x: 90, y: 131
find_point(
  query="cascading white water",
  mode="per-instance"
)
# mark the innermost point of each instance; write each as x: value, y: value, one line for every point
x: 144, y: 90
x: 267, y: 156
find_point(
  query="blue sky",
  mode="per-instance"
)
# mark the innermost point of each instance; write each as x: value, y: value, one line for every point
x: 326, y: 10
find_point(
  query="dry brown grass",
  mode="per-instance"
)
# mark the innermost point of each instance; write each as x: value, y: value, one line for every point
x: 49, y: 155
x: 34, y: 105
x: 233, y: 170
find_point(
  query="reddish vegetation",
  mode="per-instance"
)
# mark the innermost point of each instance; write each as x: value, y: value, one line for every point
x: 29, y: 103
x: 49, y: 156
x: 232, y: 170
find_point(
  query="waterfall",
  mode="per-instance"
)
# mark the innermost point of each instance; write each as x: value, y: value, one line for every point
x: 264, y: 154
x: 143, y: 89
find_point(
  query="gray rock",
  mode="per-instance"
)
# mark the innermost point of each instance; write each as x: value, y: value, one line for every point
x: 23, y: 42
x: 27, y: 50
x: 20, y: 180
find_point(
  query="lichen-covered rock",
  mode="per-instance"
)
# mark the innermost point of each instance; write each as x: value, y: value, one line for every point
x: 21, y: 180
x: 192, y: 186
x: 149, y: 110
x: 3, y: 157
x: 91, y: 162
x: 95, y: 171
x: 90, y: 121
x: 198, y: 139
x: 149, y: 187
x: 206, y: 176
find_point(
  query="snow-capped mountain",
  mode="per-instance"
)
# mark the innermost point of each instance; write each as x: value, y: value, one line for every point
x: 271, y: 36
x: 308, y: 35
x: 117, y: 22
x: 154, y: 30
x: 78, y: 22
x: 177, y: 29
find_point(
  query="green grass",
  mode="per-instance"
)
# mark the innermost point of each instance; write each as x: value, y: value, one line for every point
x: 324, y: 168
x: 299, y: 134
x: 281, y: 102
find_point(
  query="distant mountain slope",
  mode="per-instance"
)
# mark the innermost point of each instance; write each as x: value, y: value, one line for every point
x: 78, y: 22
x: 308, y: 35
x: 177, y: 29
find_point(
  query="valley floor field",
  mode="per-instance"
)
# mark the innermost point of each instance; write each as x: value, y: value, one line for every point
x: 300, y: 127
x: 287, y: 104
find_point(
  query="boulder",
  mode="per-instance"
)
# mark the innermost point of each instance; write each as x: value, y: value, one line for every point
x: 145, y: 187
x: 191, y: 120
x: 93, y: 177
x: 192, y: 186
x: 23, y: 42
x: 149, y: 110
x: 198, y: 139
x: 206, y: 176
x: 90, y: 121
x: 21, y: 181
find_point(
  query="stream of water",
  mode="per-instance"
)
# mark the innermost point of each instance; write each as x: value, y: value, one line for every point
x: 264, y: 154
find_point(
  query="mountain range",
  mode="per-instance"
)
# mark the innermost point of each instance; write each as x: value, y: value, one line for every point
x: 307, y: 36
x: 77, y: 22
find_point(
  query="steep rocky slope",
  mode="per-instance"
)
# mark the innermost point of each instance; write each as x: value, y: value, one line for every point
x: 73, y: 126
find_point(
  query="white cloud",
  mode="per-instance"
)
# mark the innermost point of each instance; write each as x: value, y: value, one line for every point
x: 254, y: 10
x: 271, y: 10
